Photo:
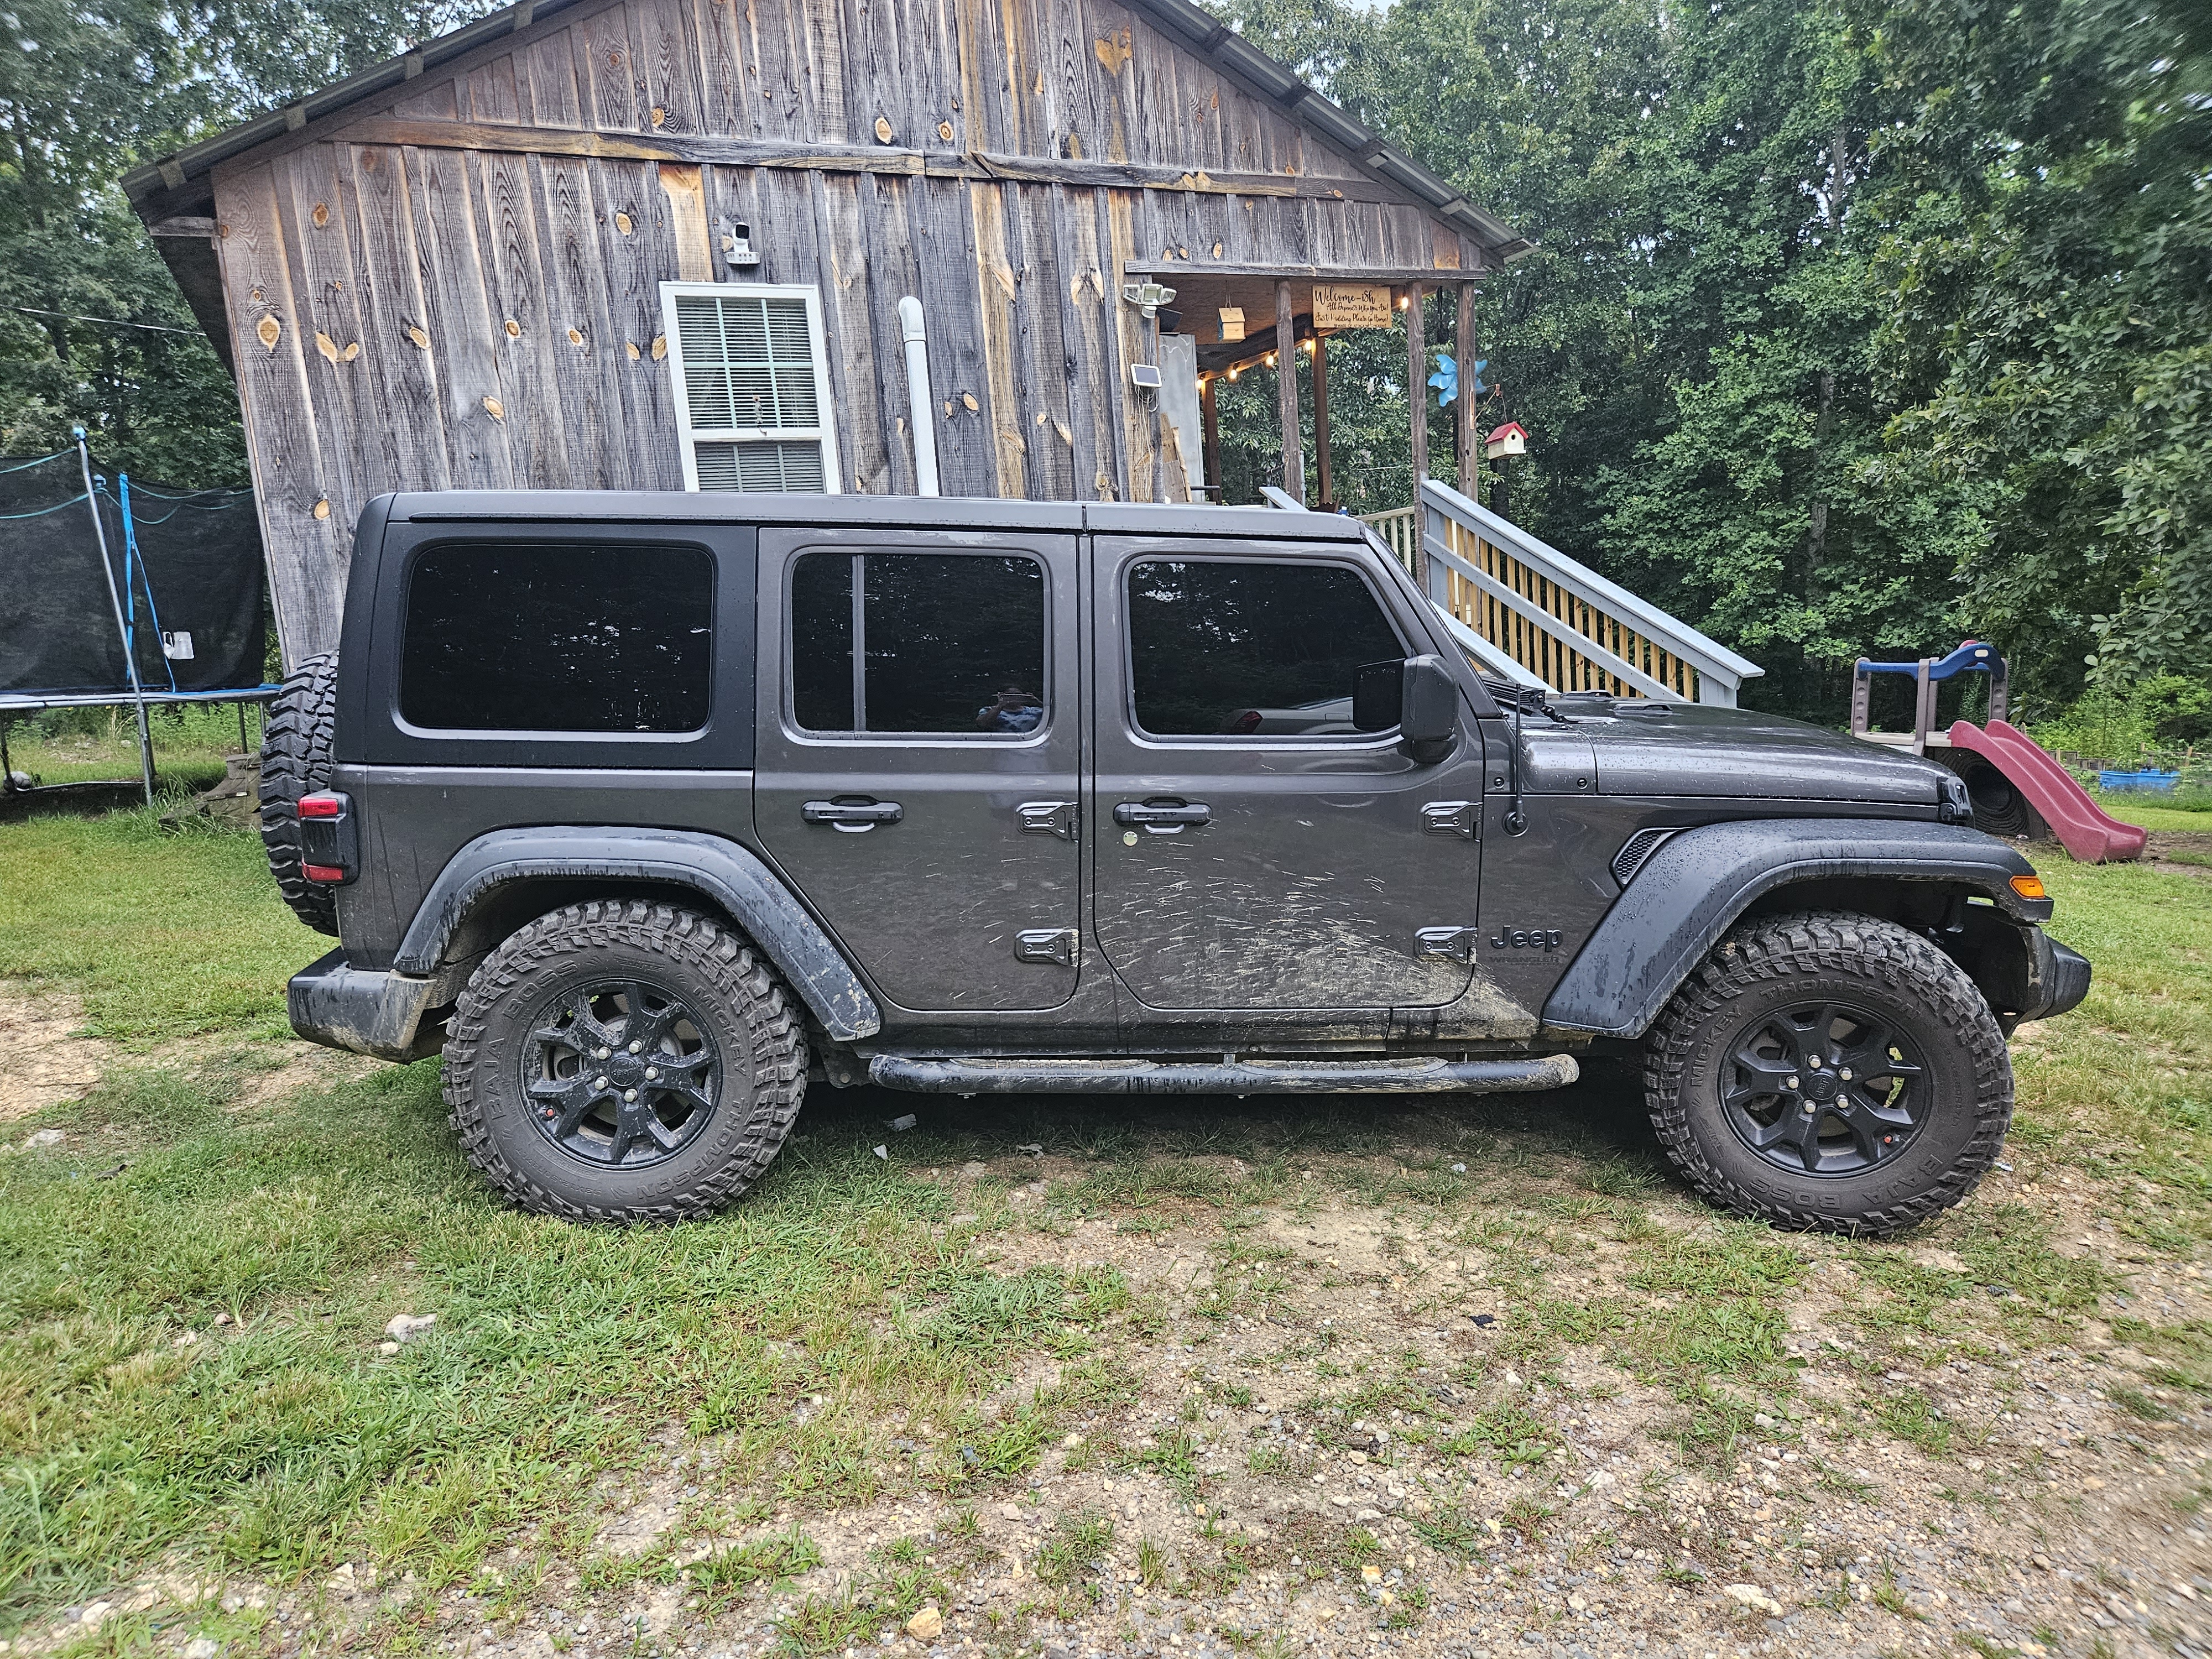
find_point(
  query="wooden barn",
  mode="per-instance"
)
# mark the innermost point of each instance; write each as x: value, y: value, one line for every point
x: 663, y: 244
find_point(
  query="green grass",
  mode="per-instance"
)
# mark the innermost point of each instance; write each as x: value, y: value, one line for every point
x: 835, y: 1339
x: 2152, y: 811
x: 162, y: 933
x: 80, y: 745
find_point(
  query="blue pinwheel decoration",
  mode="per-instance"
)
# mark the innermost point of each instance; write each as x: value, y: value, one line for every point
x: 1446, y: 379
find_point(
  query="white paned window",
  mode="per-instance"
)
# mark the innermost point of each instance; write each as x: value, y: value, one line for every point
x: 752, y: 386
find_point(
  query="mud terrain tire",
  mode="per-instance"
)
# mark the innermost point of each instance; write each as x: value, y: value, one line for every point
x: 295, y: 761
x: 597, y: 961
x: 1924, y: 1010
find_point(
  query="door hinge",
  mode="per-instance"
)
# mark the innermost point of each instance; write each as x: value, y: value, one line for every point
x: 1047, y: 818
x: 1457, y: 943
x: 1055, y: 945
x: 1451, y: 817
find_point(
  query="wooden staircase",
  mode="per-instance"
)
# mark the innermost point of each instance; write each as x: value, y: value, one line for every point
x: 1530, y: 613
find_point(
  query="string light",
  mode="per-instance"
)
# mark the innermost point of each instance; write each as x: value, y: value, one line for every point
x: 1234, y: 373
x: 1270, y: 360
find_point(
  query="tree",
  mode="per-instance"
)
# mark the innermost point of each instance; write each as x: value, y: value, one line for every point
x: 93, y: 329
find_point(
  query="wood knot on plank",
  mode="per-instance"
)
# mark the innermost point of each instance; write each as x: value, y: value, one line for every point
x: 496, y: 410
x: 883, y: 130
x: 513, y: 329
x: 575, y: 336
x: 1113, y: 51
x: 944, y: 131
x: 623, y: 223
x: 416, y: 333
x: 321, y: 216
x: 268, y: 330
x: 322, y: 508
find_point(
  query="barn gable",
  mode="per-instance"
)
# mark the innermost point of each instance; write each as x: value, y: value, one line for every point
x: 452, y: 271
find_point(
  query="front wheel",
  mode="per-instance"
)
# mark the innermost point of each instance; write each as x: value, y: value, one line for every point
x: 1829, y: 1071
x: 624, y: 1060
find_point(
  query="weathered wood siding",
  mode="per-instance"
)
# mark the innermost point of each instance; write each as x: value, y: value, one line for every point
x: 458, y: 286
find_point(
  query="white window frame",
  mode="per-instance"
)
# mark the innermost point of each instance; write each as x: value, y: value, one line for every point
x: 688, y: 435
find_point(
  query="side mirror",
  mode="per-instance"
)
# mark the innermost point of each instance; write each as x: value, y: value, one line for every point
x: 1416, y: 696
x: 1428, y: 709
x: 1378, y: 694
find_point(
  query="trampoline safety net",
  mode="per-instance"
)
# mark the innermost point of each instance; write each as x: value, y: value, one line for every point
x: 194, y: 565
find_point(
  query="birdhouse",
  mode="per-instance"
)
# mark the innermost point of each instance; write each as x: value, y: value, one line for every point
x: 1511, y: 439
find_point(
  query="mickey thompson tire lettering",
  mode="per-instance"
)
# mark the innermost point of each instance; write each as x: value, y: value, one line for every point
x: 1775, y: 960
x: 715, y: 972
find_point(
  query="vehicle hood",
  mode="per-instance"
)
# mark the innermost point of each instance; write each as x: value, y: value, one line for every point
x: 1737, y: 754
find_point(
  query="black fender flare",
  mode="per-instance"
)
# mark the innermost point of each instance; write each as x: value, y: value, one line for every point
x: 1692, y: 888
x: 733, y: 879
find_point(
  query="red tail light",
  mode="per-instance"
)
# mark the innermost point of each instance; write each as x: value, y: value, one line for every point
x: 321, y: 806
x: 323, y: 873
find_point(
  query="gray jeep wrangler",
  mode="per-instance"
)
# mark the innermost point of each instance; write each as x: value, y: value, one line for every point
x: 647, y: 809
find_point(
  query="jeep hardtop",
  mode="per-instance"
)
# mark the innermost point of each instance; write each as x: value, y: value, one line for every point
x: 646, y: 809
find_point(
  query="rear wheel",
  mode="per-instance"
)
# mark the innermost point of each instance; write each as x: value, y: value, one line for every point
x: 1832, y: 1071
x: 295, y: 761
x: 624, y: 1061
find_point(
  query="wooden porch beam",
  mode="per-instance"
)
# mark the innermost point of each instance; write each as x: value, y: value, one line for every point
x: 1327, y: 487
x: 1469, y: 454
x: 1417, y: 395
x: 1209, y: 414
x: 1286, y: 393
x: 1196, y: 270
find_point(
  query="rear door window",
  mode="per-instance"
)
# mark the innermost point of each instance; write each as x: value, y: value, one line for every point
x: 559, y: 636
x: 923, y: 643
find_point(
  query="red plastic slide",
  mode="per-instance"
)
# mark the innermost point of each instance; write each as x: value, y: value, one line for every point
x: 2085, y: 830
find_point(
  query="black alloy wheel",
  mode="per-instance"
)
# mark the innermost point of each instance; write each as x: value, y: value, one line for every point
x: 1823, y: 1088
x: 621, y: 1075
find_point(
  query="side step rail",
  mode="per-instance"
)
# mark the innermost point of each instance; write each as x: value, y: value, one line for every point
x: 1249, y: 1077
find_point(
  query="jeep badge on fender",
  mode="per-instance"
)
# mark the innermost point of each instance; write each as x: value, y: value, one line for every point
x: 825, y: 805
x: 1526, y: 938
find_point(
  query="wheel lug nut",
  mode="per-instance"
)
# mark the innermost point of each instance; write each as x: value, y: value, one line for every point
x: 1790, y: 1082
x: 652, y: 1073
x: 598, y: 1082
x: 630, y: 1094
x: 599, y: 1053
x: 1845, y: 1074
x: 635, y: 1047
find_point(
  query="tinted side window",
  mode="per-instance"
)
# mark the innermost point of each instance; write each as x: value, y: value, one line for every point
x: 1244, y: 649
x: 949, y: 642
x: 558, y: 636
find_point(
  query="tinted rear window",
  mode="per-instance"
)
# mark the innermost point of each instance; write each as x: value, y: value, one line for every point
x: 558, y: 636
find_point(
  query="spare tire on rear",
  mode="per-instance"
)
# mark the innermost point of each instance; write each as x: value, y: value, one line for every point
x: 295, y: 761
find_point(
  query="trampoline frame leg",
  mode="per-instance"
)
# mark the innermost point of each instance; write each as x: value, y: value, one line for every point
x: 122, y: 632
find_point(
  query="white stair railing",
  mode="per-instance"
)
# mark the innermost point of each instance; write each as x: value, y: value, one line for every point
x: 1400, y: 531
x: 1561, y: 621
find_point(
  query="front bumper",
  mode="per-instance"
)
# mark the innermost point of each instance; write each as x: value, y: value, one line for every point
x: 2058, y: 978
x: 384, y: 1016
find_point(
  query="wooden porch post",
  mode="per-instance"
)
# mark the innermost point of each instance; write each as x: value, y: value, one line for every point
x: 1417, y: 395
x: 1328, y: 502
x: 1287, y: 394
x: 1468, y: 437
x: 1209, y: 414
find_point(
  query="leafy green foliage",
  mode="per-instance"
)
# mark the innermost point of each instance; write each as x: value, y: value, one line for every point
x: 1852, y: 327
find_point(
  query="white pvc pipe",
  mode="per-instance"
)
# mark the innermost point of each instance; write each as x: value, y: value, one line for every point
x: 920, y: 414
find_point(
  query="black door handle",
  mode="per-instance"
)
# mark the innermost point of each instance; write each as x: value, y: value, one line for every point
x: 1163, y: 816
x: 852, y: 814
